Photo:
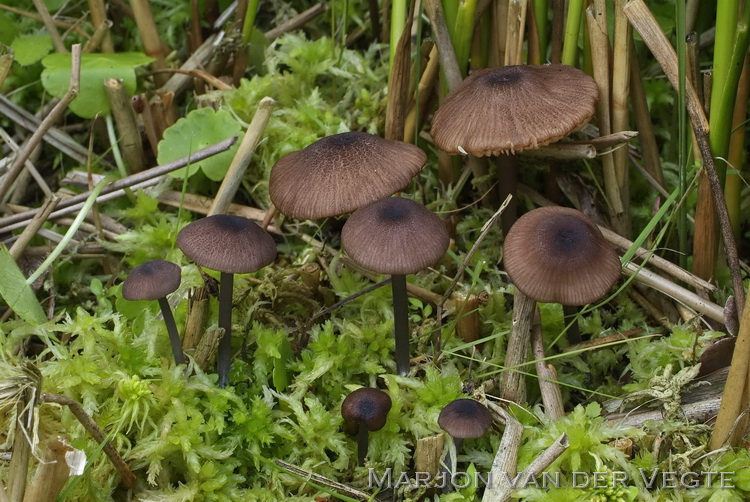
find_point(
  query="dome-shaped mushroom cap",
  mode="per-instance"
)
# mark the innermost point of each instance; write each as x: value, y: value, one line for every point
x: 368, y: 406
x: 514, y: 108
x: 227, y: 243
x: 465, y: 418
x: 340, y: 173
x: 395, y: 236
x: 557, y: 254
x: 151, y: 280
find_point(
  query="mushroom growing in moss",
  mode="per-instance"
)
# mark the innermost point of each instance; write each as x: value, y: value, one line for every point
x: 396, y: 236
x: 554, y: 255
x: 369, y: 408
x: 232, y: 245
x: 463, y: 419
x: 154, y: 280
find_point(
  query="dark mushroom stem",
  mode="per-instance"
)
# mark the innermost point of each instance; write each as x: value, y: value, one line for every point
x: 362, y: 443
x: 224, y: 356
x: 445, y: 470
x: 401, y: 323
x: 174, y: 336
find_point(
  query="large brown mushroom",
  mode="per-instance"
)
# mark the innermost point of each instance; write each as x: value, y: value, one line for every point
x: 232, y: 245
x: 552, y: 254
x: 340, y: 173
x: 396, y: 236
x: 510, y: 109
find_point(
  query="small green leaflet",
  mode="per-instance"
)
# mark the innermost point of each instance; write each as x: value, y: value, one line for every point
x: 95, y: 68
x: 16, y: 293
x: 28, y: 49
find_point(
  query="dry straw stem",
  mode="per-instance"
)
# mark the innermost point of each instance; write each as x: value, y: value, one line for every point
x: 98, y: 18
x: 597, y: 25
x: 734, y: 399
x: 233, y: 177
x: 60, y: 24
x: 446, y: 54
x: 127, y: 127
x: 296, y: 22
x: 6, y: 60
x: 51, y: 475
x: 100, y: 34
x: 695, y: 302
x: 643, y: 21
x: 513, y: 387
x: 57, y: 41
x: 56, y: 113
x: 195, y: 321
x: 73, y: 204
x: 608, y: 141
x: 323, y: 481
x: 127, y: 478
x: 516, y: 21
x: 33, y: 227
x: 548, y: 382
x: 621, y: 91
x: 505, y: 464
x: 153, y: 45
x: 426, y: 83
x: 561, y: 151
x: 649, y: 149
x: 398, y: 85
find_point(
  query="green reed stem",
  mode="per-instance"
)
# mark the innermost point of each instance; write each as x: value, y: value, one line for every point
x: 540, y: 16
x: 572, y: 32
x: 398, y: 20
x: 463, y: 33
x: 249, y: 22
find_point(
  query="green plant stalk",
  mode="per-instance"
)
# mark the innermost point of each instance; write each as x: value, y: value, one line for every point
x: 223, y: 359
x: 726, y: 23
x: 540, y: 16
x: 249, y: 22
x: 572, y: 31
x: 734, y: 181
x: 90, y: 201
x: 398, y: 21
x: 450, y: 12
x: 115, y: 146
x: 401, y: 323
x: 682, y: 132
x: 464, y: 32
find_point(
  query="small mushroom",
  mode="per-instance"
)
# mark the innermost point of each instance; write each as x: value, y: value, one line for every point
x: 463, y: 419
x: 368, y: 407
x: 340, y: 173
x: 154, y: 280
x: 396, y: 236
x: 558, y: 255
x: 232, y: 245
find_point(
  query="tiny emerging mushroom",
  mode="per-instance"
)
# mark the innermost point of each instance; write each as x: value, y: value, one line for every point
x: 154, y: 280
x: 463, y: 419
x: 369, y: 408
x: 396, y: 236
x: 232, y: 245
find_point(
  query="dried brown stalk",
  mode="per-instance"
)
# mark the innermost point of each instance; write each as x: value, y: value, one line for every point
x: 98, y: 18
x: 398, y: 83
x: 100, y: 35
x: 296, y: 22
x: 51, y: 475
x: 33, y: 227
x: 505, y: 464
x: 127, y: 478
x: 50, y: 119
x: 446, y: 54
x: 131, y: 145
x: 515, y: 22
x: 548, y: 382
x: 152, y: 44
x: 57, y: 41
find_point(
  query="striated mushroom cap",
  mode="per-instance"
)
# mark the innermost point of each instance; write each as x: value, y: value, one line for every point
x: 340, y: 173
x: 514, y: 108
x: 465, y: 418
x: 557, y: 254
x: 152, y: 280
x: 395, y: 236
x: 227, y: 243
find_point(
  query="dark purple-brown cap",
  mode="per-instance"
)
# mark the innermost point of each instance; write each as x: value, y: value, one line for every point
x: 465, y: 418
x: 367, y: 406
x: 395, y: 236
x: 514, y: 108
x: 151, y: 280
x: 557, y: 254
x: 227, y: 243
x: 340, y: 173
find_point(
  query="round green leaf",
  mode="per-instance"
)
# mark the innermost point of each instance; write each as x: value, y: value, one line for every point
x: 28, y: 49
x: 95, y: 68
x: 201, y: 128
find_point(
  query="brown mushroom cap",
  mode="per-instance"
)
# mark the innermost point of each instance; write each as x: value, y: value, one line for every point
x: 395, y: 236
x: 368, y: 406
x: 465, y: 418
x: 151, y: 280
x: 227, y: 243
x: 340, y: 173
x: 514, y: 108
x: 557, y: 254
